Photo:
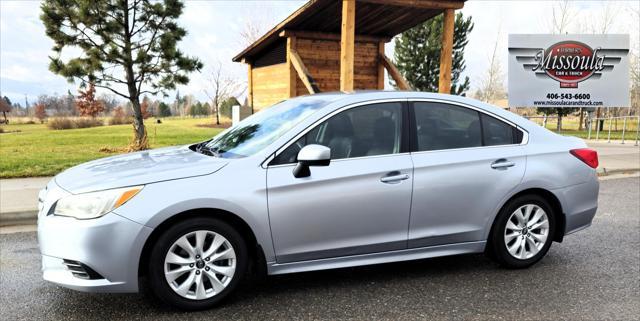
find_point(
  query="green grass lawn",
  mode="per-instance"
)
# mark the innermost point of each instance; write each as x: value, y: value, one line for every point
x: 28, y: 150
x: 570, y: 128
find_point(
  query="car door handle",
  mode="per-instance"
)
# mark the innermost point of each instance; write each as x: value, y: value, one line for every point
x: 394, y: 178
x: 502, y: 163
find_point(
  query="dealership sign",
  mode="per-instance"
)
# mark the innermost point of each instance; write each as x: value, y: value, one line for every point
x: 569, y: 71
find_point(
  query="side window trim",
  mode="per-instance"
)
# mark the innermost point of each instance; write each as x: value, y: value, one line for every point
x: 414, y: 131
x: 404, y: 105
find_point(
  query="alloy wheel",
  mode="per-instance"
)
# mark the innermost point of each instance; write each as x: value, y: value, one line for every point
x: 200, y: 265
x: 526, y: 231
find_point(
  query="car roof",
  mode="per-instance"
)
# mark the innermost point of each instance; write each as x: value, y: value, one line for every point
x: 337, y: 99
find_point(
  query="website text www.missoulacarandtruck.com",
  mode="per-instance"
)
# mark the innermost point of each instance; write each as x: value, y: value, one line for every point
x: 567, y: 103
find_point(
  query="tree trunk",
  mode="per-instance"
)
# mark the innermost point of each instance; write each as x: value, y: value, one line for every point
x: 581, y: 119
x: 559, y: 127
x: 140, y: 133
x: 215, y: 104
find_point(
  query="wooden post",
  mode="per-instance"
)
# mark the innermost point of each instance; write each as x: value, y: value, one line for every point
x: 250, y: 87
x: 347, y: 44
x: 444, y: 83
x: 291, y: 45
x: 380, y: 66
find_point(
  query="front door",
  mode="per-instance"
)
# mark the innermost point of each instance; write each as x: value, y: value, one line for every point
x: 358, y: 204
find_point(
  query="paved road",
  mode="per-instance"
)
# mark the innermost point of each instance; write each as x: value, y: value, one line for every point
x: 593, y: 274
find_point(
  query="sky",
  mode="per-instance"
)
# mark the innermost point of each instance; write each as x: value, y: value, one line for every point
x: 214, y: 26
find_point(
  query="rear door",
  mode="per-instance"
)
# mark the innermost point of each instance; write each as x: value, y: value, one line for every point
x: 465, y: 163
x: 358, y: 204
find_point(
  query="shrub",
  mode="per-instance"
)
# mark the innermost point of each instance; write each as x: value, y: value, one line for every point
x: 87, y: 122
x: 120, y: 120
x: 60, y: 123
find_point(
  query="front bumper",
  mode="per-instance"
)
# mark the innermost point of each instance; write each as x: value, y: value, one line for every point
x: 110, y: 246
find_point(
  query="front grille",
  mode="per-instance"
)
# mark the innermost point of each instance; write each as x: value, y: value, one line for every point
x: 81, y: 271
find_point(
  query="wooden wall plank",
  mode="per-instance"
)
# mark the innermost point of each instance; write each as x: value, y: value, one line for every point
x: 270, y: 85
x: 322, y: 59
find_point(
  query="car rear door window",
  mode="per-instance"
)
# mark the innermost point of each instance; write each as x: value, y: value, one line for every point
x: 444, y: 126
x: 369, y: 130
x: 496, y: 132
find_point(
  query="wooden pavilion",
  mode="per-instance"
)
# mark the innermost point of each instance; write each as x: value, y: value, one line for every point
x: 330, y: 45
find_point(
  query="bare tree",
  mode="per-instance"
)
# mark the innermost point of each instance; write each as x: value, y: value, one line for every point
x: 221, y: 87
x: 251, y: 31
x: 602, y: 24
x: 492, y: 85
x: 605, y: 21
x: 255, y: 26
x: 561, y: 16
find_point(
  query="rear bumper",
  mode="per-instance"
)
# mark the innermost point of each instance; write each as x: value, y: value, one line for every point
x: 579, y: 204
x: 109, y: 247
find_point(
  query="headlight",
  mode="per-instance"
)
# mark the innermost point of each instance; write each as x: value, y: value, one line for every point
x: 95, y: 204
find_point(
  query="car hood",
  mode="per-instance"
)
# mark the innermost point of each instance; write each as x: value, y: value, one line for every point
x: 138, y: 168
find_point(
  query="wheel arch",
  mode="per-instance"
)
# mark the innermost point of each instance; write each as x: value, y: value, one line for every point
x: 554, y: 202
x: 258, y: 261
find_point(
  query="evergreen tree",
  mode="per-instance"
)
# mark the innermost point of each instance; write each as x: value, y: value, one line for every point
x: 164, y: 110
x: 225, y: 106
x: 129, y: 43
x: 417, y: 54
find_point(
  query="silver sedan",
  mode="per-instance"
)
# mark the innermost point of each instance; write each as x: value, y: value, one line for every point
x: 317, y: 182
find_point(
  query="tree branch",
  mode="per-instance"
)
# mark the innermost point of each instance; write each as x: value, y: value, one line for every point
x: 105, y: 87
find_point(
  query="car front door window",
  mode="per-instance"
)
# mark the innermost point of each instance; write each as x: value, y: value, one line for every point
x: 357, y: 132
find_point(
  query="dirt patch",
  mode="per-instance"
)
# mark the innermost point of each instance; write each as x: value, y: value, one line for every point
x: 111, y: 150
x: 212, y: 125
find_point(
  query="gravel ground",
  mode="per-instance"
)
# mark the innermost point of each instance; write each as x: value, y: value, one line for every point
x: 594, y: 274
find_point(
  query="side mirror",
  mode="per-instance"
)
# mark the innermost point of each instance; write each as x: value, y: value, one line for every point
x: 311, y: 155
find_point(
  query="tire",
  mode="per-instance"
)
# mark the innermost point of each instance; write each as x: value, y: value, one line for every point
x: 514, y: 246
x: 202, y: 291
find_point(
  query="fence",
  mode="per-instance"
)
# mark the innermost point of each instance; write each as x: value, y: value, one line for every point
x: 597, y: 127
x: 599, y: 122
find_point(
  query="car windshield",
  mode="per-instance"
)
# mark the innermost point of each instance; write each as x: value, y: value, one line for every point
x: 259, y: 130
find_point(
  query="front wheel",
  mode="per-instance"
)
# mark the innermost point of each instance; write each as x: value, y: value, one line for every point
x: 196, y: 263
x: 523, y: 232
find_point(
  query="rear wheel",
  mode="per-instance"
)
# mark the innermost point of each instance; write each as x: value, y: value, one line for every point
x: 523, y: 232
x: 197, y: 263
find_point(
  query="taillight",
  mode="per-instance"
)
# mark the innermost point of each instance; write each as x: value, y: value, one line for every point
x: 587, y: 155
